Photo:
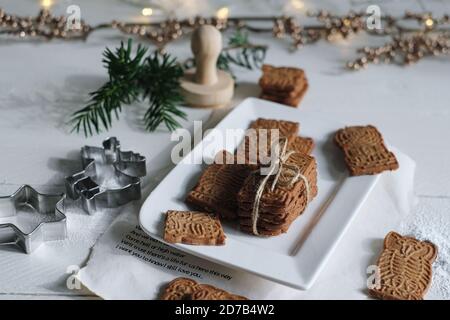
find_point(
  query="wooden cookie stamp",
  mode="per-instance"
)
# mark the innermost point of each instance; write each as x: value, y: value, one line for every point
x: 205, y: 86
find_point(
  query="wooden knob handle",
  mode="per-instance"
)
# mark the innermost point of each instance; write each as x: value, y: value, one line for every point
x: 206, y: 45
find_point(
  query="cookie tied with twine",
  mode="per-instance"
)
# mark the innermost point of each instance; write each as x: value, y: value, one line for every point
x: 270, y: 200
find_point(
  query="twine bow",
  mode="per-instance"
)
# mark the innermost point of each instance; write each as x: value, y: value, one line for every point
x: 286, y: 176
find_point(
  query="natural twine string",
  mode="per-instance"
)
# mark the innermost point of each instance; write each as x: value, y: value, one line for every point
x: 286, y: 176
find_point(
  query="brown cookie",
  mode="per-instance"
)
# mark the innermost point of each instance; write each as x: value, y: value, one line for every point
x: 302, y: 145
x: 365, y: 151
x: 281, y: 79
x: 276, y: 213
x: 358, y: 135
x: 282, y: 196
x: 267, y: 229
x: 288, y: 94
x: 405, y: 268
x: 260, y: 134
x: 289, y: 100
x: 262, y: 231
x: 179, y: 289
x: 266, y: 215
x: 279, y: 207
x: 369, y: 159
x: 269, y: 225
x: 217, y: 189
x: 288, y: 129
x: 193, y: 227
x: 208, y: 292
x: 188, y: 289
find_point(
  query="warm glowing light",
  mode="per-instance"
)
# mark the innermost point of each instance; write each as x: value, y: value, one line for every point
x: 46, y: 3
x: 147, y: 12
x: 223, y: 13
x: 429, y: 22
x: 297, y: 4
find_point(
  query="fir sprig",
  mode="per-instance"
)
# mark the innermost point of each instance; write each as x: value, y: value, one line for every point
x: 132, y: 78
x: 162, y: 72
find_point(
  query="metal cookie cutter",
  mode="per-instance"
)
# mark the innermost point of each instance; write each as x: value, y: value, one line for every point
x: 49, y: 224
x: 124, y: 168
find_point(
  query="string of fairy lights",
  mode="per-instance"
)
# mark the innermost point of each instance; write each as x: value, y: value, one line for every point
x: 411, y: 36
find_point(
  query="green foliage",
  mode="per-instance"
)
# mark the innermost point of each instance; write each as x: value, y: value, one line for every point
x: 155, y: 78
x: 130, y: 79
x: 162, y: 72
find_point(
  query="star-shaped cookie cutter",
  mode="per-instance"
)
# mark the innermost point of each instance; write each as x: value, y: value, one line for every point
x: 127, y: 167
x: 44, y: 206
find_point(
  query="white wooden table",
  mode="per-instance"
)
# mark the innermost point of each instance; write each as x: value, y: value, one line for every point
x: 41, y: 84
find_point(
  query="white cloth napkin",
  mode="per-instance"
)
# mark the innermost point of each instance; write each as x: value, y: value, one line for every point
x: 127, y: 264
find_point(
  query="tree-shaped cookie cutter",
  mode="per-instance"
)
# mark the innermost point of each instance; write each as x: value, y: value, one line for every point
x: 127, y: 167
x: 45, y: 206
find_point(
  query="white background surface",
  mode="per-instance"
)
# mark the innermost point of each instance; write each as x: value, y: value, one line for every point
x: 41, y: 84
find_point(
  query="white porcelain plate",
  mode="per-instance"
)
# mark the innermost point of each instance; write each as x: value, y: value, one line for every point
x: 296, y: 257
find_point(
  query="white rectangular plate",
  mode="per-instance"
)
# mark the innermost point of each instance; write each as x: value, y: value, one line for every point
x: 296, y: 257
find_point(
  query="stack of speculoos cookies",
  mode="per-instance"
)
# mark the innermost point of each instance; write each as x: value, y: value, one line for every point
x: 285, y: 85
x: 279, y: 207
x: 229, y: 189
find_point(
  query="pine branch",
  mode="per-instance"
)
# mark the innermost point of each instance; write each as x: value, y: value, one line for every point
x: 121, y: 89
x: 163, y: 73
x: 106, y: 101
x: 131, y: 79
